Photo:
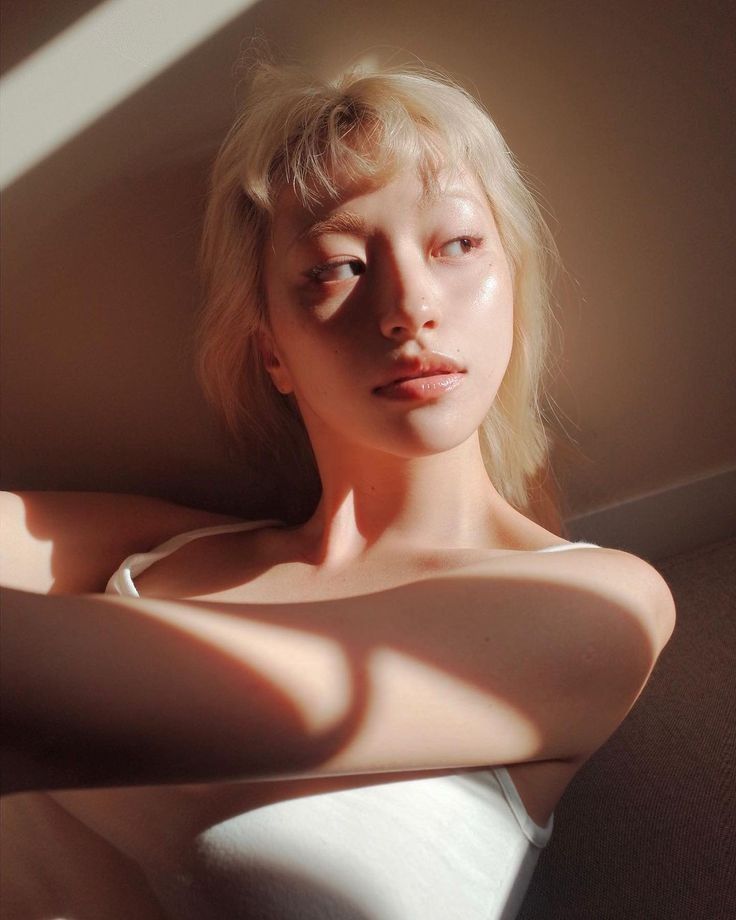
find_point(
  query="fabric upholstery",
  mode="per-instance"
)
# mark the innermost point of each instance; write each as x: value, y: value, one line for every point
x: 647, y: 828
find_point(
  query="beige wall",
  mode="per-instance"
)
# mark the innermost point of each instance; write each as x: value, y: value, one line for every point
x: 619, y: 112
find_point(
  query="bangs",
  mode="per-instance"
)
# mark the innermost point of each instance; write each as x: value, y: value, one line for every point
x: 353, y: 144
x: 364, y: 130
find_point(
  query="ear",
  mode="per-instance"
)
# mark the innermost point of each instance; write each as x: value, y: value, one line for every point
x: 272, y: 363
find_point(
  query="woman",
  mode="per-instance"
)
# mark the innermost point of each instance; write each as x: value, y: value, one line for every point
x: 367, y: 710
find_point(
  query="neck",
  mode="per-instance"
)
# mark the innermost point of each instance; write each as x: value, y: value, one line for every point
x: 374, y: 502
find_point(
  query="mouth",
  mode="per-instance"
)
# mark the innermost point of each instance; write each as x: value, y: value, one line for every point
x: 425, y: 386
x: 436, y: 372
x: 421, y: 367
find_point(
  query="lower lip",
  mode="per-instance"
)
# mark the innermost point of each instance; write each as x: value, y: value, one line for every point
x: 421, y: 387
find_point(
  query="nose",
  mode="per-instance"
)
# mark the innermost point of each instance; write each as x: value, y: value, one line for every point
x: 408, y: 302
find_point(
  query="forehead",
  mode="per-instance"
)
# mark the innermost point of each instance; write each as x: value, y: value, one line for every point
x: 406, y: 192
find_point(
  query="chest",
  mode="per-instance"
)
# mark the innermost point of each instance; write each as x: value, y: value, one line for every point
x: 406, y: 846
x: 156, y: 825
x: 204, y: 571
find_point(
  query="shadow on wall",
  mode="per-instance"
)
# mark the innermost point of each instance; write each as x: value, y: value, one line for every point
x: 99, y: 280
x: 25, y: 30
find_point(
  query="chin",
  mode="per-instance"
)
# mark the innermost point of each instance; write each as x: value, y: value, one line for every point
x: 420, y: 432
x: 424, y: 437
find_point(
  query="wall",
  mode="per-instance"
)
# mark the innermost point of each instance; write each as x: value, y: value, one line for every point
x: 620, y: 114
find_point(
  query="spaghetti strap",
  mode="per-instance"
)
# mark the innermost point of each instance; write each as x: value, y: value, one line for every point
x: 122, y: 580
x: 536, y: 834
x: 559, y: 546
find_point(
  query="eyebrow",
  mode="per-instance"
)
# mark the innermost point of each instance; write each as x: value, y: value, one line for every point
x: 342, y: 222
x: 351, y: 223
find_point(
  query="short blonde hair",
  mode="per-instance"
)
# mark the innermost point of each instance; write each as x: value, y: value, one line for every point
x: 313, y: 134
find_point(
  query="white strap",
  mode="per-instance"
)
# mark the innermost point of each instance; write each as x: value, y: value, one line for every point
x: 122, y: 582
x: 535, y: 833
x: 559, y: 546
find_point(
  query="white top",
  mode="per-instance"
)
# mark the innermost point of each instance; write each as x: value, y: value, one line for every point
x: 458, y: 847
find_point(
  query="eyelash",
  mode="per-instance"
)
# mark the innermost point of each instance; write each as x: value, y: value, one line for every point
x: 315, y: 272
x: 475, y: 242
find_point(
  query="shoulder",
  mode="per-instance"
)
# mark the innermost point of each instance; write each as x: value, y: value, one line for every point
x: 604, y: 573
x: 593, y: 621
x: 624, y: 579
x: 624, y: 615
x: 71, y: 542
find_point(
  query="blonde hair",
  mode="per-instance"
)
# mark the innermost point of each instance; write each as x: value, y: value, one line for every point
x: 313, y: 135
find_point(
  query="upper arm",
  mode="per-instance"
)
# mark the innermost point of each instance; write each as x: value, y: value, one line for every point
x: 630, y: 617
x: 550, y: 653
x: 72, y: 542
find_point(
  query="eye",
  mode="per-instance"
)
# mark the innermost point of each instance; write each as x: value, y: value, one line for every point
x: 460, y: 246
x: 336, y: 271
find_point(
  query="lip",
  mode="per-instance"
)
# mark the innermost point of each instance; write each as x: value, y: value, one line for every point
x: 422, y: 367
x: 428, y: 386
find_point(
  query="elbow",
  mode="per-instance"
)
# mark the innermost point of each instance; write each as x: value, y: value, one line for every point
x: 662, y: 603
x: 649, y: 596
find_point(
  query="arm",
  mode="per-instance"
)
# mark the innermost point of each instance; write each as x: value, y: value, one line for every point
x: 457, y: 670
x: 71, y: 542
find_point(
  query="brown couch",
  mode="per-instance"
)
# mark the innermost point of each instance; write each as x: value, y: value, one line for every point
x: 647, y: 829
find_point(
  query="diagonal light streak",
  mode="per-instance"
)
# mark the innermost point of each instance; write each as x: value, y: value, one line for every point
x: 89, y: 68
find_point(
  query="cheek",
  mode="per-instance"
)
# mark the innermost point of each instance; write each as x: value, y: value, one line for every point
x: 493, y: 321
x: 492, y: 300
x: 313, y: 357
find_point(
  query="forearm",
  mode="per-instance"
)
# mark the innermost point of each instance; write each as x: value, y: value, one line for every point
x: 103, y: 691
x: 99, y: 690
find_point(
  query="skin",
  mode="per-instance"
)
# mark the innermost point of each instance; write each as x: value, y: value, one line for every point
x: 423, y: 273
x: 399, y: 478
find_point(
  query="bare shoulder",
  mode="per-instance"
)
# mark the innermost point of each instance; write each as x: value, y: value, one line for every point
x: 590, y: 623
x: 626, y: 617
x: 621, y: 576
x: 71, y: 542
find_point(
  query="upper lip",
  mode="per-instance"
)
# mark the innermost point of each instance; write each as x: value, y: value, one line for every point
x: 421, y: 366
